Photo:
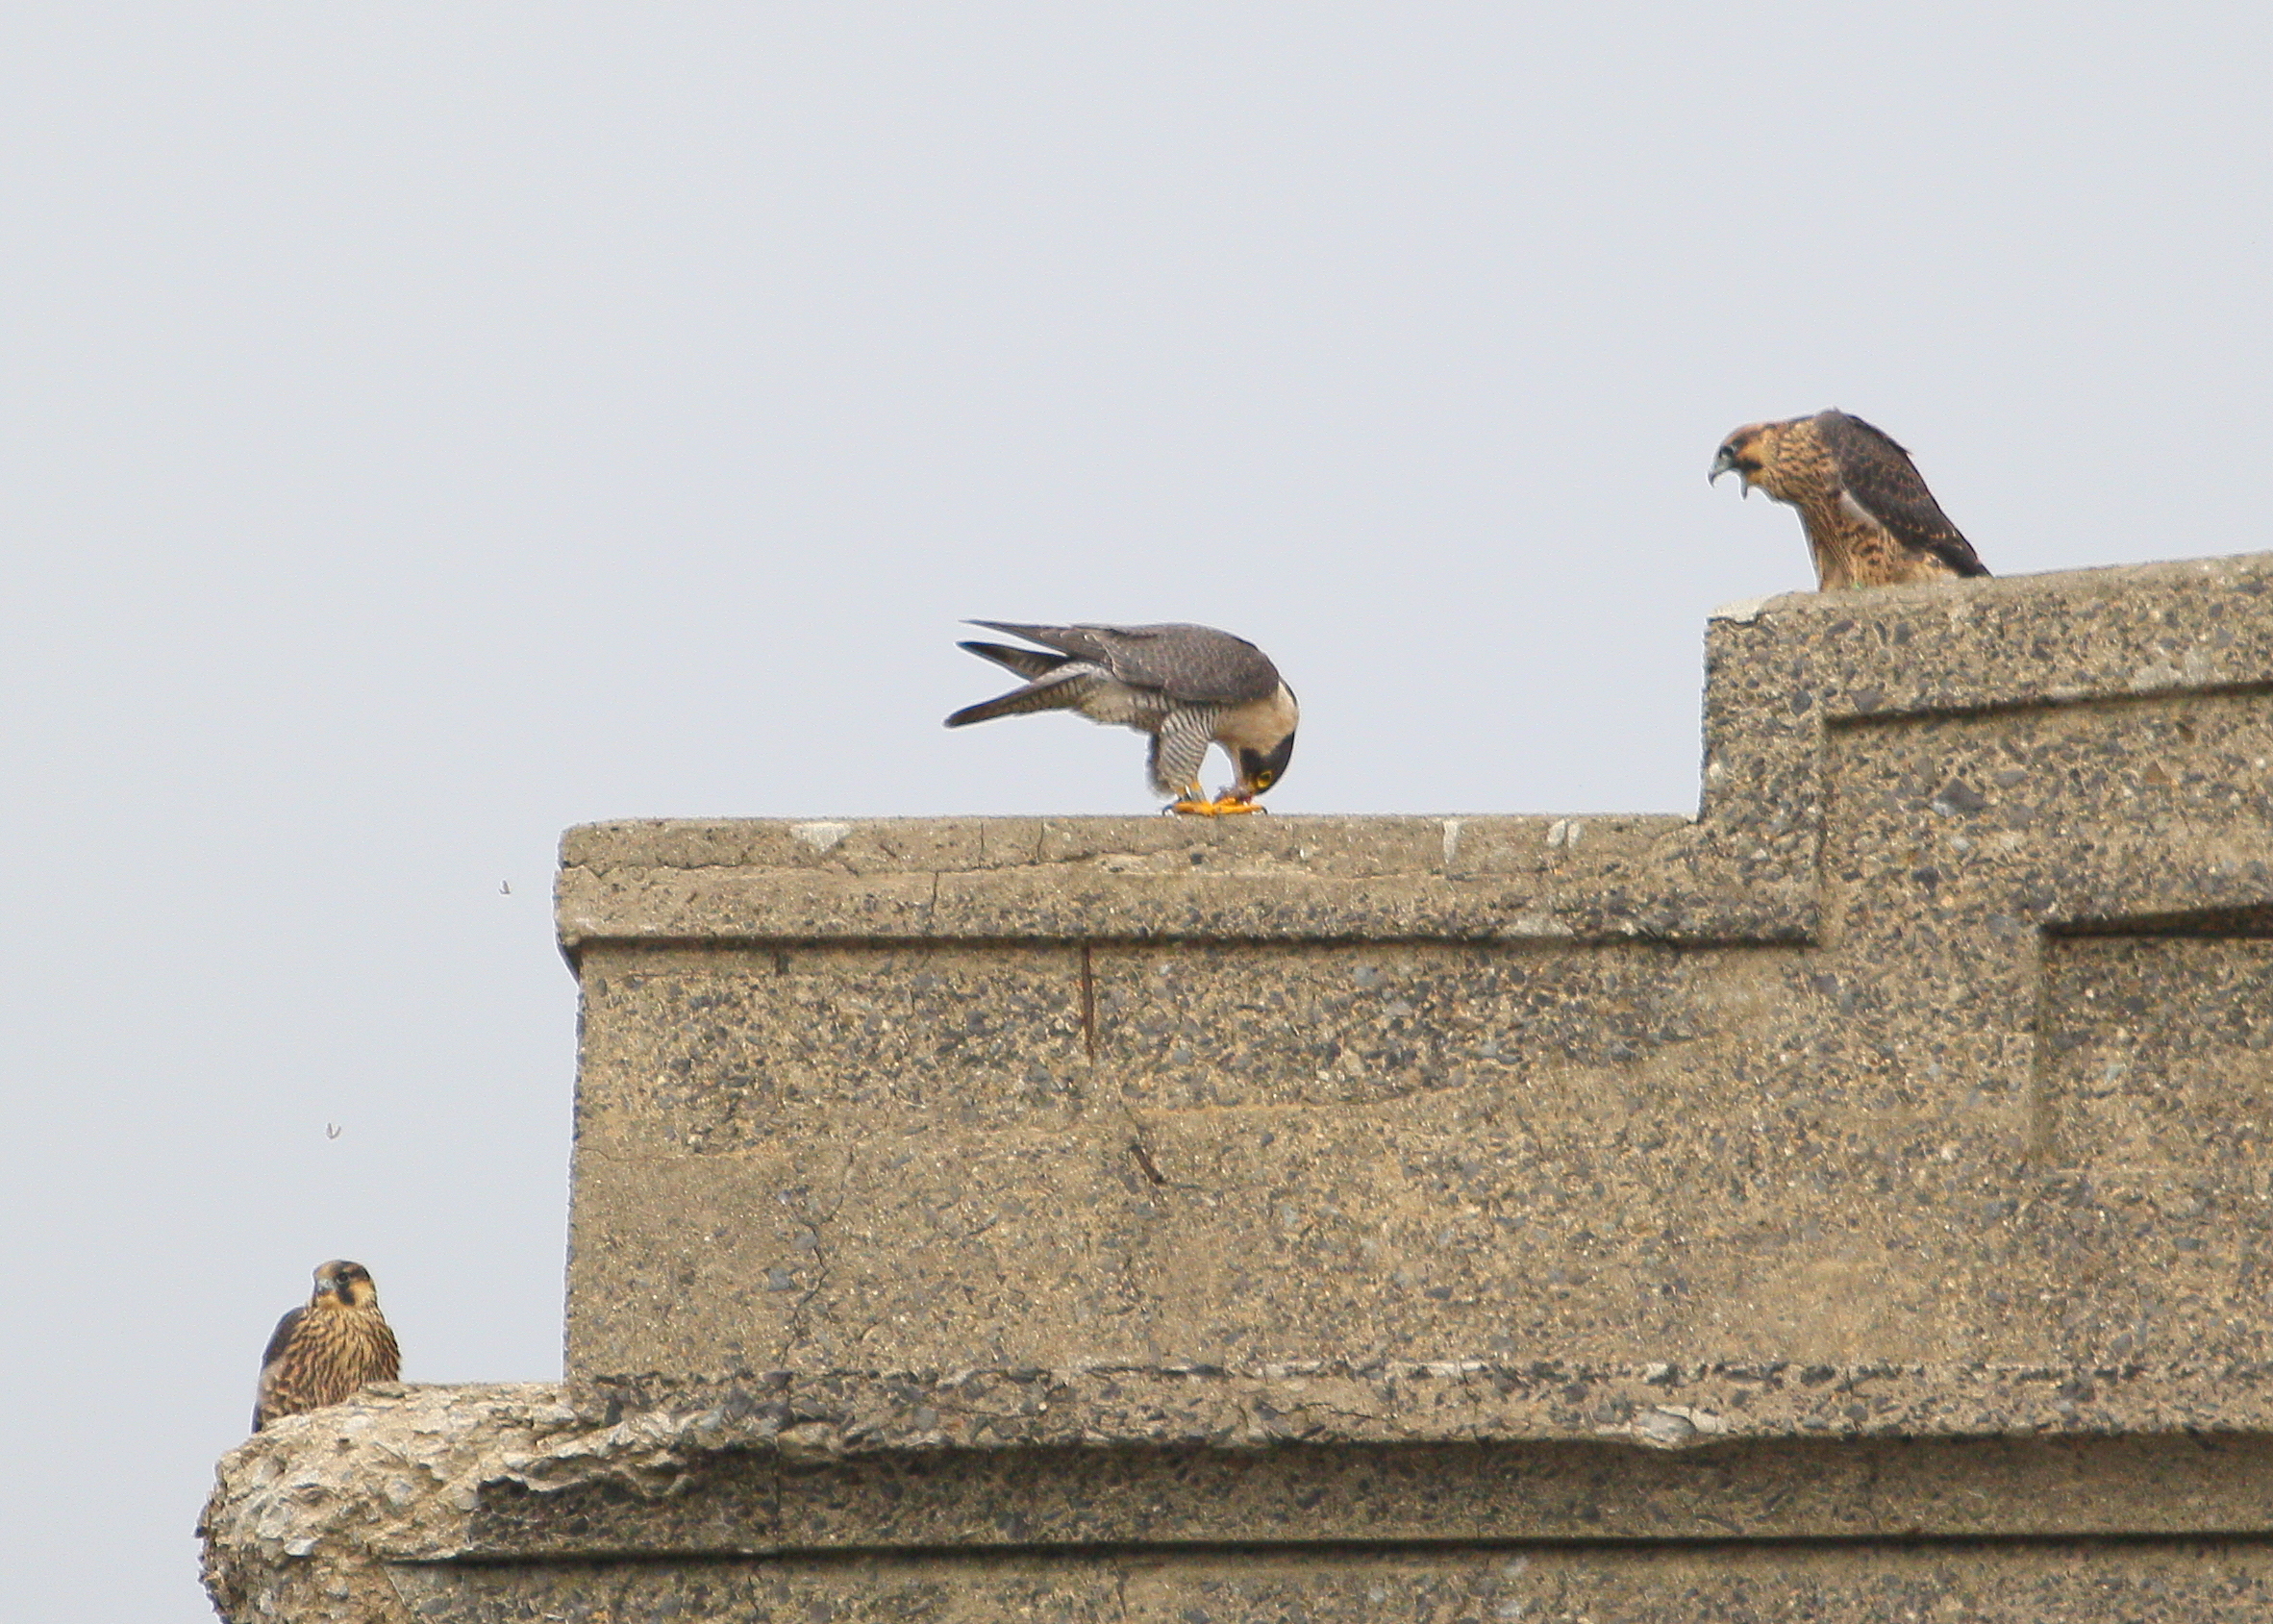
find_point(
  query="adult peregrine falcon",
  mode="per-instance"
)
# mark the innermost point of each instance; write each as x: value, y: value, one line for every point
x: 1189, y: 686
x: 1869, y: 518
x: 322, y: 1353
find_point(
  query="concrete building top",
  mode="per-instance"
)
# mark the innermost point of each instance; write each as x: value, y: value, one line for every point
x: 1783, y: 675
x: 1824, y: 1076
x: 1852, y: 1203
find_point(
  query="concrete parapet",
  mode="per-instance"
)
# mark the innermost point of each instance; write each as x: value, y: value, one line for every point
x: 1361, y: 1217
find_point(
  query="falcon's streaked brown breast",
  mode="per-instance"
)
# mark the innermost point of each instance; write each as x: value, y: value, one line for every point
x: 322, y: 1353
x: 1869, y: 520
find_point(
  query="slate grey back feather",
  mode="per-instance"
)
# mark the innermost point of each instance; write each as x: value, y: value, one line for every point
x: 1197, y: 664
x: 282, y: 1336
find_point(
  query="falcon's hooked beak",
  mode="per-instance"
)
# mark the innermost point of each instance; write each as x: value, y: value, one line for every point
x: 339, y: 1280
x: 1726, y: 463
x: 1259, y: 769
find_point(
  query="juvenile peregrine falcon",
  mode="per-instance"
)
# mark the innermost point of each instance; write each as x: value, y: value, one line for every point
x: 1189, y: 686
x: 322, y: 1353
x: 1870, y: 521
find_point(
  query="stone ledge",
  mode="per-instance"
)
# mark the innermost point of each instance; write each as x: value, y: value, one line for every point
x: 1993, y: 1088
x: 1783, y: 677
x: 1892, y: 1581
x: 1291, y: 879
x: 1658, y: 1405
x: 343, y: 1513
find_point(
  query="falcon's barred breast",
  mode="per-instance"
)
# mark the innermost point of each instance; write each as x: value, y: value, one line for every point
x: 1869, y: 520
x: 322, y: 1353
x: 1189, y: 686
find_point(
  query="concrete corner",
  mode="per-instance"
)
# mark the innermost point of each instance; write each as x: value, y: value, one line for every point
x: 1848, y: 1202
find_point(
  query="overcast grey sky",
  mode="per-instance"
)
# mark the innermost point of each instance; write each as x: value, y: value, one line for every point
x: 431, y: 426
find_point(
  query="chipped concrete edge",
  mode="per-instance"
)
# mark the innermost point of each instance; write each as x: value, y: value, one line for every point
x: 307, y: 1517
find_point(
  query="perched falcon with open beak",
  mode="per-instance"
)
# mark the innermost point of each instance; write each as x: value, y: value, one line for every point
x: 1869, y: 518
x: 322, y: 1353
x: 1189, y: 686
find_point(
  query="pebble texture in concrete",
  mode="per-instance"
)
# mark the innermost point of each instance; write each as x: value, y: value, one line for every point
x: 1879, y: 1157
x: 1941, y: 1038
x: 502, y: 1503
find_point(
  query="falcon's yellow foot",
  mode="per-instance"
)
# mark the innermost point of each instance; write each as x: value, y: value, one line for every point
x: 1193, y: 803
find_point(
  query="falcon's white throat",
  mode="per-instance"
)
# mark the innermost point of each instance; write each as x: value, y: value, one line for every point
x: 1260, y: 724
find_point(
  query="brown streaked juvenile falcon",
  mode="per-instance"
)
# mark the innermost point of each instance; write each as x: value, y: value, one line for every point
x: 1189, y: 686
x: 322, y: 1353
x: 1869, y: 518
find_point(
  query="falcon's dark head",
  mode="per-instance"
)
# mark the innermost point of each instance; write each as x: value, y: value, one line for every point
x: 1261, y: 742
x: 342, y: 1285
x: 1259, y: 769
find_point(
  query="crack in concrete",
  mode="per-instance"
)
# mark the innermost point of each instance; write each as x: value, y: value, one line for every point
x: 1088, y: 1004
x: 796, y: 1331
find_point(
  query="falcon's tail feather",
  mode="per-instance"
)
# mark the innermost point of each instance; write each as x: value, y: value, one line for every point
x: 1029, y: 662
x: 1032, y: 632
x: 1050, y: 693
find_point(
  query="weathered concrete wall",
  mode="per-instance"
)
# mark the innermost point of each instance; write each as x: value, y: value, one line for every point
x: 1879, y: 1160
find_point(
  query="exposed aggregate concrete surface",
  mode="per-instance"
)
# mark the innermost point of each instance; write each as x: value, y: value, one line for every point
x: 1462, y: 1216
